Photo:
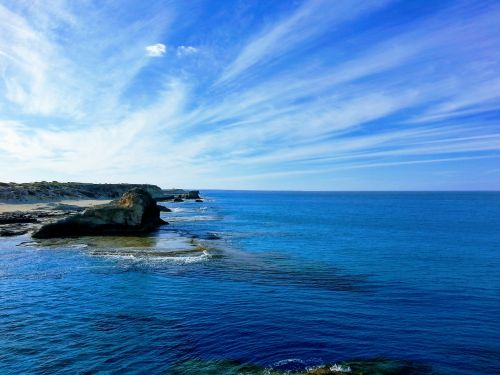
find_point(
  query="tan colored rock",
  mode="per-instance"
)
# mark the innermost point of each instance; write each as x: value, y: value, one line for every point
x: 135, y: 212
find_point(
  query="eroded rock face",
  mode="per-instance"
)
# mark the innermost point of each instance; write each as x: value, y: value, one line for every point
x: 135, y: 212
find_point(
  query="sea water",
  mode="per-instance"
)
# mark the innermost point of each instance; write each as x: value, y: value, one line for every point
x: 281, y: 281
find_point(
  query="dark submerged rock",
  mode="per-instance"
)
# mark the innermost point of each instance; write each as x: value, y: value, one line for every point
x: 377, y: 366
x: 165, y: 198
x: 199, y: 200
x: 134, y: 213
x: 212, y: 236
x: 178, y: 199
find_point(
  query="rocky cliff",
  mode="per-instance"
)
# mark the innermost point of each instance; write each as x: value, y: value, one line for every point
x: 56, y: 191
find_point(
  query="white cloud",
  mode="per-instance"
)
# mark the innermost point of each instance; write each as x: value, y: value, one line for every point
x: 319, y: 116
x: 42, y: 74
x: 186, y: 51
x: 156, y: 50
x: 308, y: 21
x: 31, y: 67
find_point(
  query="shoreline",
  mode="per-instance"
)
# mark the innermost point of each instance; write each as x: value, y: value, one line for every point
x: 105, y: 208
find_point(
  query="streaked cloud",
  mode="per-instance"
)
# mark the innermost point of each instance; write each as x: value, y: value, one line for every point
x: 312, y: 93
x: 309, y: 20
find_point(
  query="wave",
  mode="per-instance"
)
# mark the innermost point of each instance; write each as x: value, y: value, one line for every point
x: 335, y: 369
x: 296, y: 364
x: 178, y: 209
x: 193, y: 218
x: 154, y: 257
x: 169, y: 247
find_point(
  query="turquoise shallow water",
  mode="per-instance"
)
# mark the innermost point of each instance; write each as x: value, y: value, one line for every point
x: 281, y: 280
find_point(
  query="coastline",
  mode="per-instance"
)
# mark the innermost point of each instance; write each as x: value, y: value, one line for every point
x: 31, y: 207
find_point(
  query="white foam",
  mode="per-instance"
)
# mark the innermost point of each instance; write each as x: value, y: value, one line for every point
x: 28, y: 243
x: 143, y: 257
x: 177, y: 209
x: 194, y: 218
x: 191, y: 259
x: 78, y: 246
x: 340, y: 368
x: 287, y: 361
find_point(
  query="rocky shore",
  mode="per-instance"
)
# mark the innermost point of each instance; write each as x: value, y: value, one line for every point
x: 57, y: 191
x: 16, y: 223
x: 135, y: 212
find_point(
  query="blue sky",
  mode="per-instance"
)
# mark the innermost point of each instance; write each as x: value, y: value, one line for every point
x: 309, y: 95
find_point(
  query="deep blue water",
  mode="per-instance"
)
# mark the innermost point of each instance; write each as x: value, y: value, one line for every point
x: 295, y: 279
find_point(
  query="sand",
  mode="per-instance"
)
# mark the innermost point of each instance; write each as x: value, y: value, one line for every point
x: 26, y: 207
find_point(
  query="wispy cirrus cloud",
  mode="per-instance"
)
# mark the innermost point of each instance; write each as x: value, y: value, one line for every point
x: 309, y: 20
x: 30, y: 66
x: 313, y: 91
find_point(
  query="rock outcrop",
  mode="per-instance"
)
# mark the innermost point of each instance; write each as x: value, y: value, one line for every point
x: 193, y: 194
x: 17, y: 223
x: 16, y: 218
x: 164, y: 209
x: 134, y: 213
x: 178, y: 196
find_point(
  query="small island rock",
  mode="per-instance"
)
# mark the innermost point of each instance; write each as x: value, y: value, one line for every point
x: 134, y: 213
x: 193, y: 194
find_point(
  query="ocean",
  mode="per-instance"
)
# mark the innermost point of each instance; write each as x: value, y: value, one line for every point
x: 254, y: 282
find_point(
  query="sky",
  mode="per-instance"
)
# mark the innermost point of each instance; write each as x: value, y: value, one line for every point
x: 252, y: 94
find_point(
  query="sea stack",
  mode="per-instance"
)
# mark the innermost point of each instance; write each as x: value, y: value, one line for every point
x: 135, y: 212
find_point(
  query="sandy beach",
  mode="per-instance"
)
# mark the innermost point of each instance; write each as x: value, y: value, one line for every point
x: 27, y: 207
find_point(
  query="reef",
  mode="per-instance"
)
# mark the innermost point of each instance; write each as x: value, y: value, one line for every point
x: 376, y: 366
